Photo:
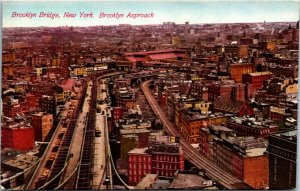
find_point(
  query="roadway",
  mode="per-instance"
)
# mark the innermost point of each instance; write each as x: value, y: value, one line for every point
x: 191, y: 154
x: 99, y: 154
x: 100, y: 142
x: 75, y: 147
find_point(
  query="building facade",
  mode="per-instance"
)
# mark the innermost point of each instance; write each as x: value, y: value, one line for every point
x: 282, y: 155
x: 18, y: 138
x: 245, y: 158
x: 256, y: 79
x: 167, y: 159
x: 42, y: 123
x: 139, y: 164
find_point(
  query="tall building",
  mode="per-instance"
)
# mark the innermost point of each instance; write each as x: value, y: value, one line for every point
x: 245, y: 158
x: 48, y: 104
x: 282, y: 155
x: 64, y: 65
x: 237, y: 70
x: 42, y: 123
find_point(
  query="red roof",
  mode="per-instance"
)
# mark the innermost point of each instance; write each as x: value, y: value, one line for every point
x: 155, y: 55
x: 136, y: 59
x: 154, y: 52
x: 67, y: 84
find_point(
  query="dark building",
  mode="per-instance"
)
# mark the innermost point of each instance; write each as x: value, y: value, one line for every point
x: 284, y: 71
x: 282, y: 156
x: 48, y: 104
x: 65, y: 64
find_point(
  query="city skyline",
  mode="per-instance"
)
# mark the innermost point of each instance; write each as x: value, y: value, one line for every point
x: 196, y: 12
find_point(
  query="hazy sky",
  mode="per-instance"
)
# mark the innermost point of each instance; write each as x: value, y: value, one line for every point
x: 176, y: 11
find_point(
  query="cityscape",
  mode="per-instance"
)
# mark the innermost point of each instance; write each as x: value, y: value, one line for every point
x: 172, y: 105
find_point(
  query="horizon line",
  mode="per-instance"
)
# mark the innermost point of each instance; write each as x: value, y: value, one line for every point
x: 156, y: 24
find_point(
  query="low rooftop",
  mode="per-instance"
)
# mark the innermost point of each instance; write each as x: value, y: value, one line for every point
x: 138, y: 151
x: 22, y: 161
x: 190, y: 181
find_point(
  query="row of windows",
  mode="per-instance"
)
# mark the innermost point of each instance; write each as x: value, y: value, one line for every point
x: 164, y: 173
x: 139, y: 158
x: 139, y: 165
x: 166, y: 158
x: 165, y: 166
x: 282, y: 153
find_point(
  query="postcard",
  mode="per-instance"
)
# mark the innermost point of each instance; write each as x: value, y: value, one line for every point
x: 186, y: 94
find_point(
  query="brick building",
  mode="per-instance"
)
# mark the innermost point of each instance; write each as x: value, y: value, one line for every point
x: 282, y: 155
x: 284, y: 71
x: 256, y: 79
x: 161, y: 158
x: 191, y: 120
x: 139, y: 164
x: 32, y: 100
x: 245, y: 158
x: 48, y: 104
x: 167, y: 159
x: 42, y: 123
x: 228, y: 90
x: 243, y: 51
x: 133, y: 138
x: 18, y: 137
x: 237, y: 70
x: 250, y: 127
x: 207, y: 135
x: 199, y: 90
x: 14, y: 107
x: 64, y: 65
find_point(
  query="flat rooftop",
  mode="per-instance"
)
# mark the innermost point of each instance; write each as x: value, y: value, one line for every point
x: 133, y: 131
x: 138, y: 151
x: 22, y: 161
x: 260, y: 73
x: 189, y: 181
